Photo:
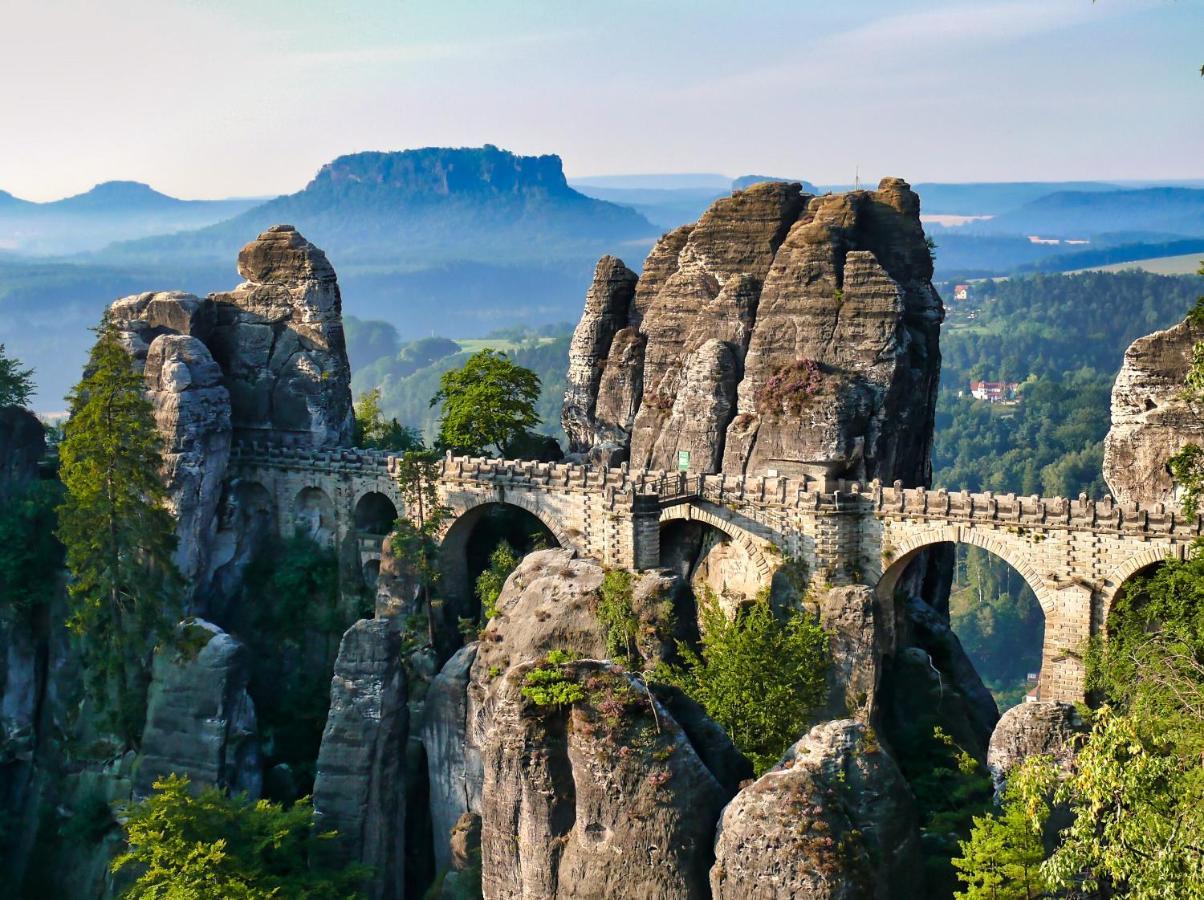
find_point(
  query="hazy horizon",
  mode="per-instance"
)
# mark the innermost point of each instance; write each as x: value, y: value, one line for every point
x: 216, y: 100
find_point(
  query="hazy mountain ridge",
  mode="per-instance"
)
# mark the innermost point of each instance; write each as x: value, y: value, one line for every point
x: 113, y: 210
x: 420, y: 207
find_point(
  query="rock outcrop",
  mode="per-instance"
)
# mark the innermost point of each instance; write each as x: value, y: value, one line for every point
x: 603, y: 797
x: 859, y: 637
x: 779, y: 332
x: 22, y: 444
x: 278, y: 338
x: 200, y: 720
x: 834, y: 819
x: 266, y: 361
x: 1153, y: 416
x: 192, y: 412
x: 1033, y: 729
x: 359, y: 787
x: 454, y: 770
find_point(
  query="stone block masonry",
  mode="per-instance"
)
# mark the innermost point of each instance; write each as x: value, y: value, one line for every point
x: 1075, y: 554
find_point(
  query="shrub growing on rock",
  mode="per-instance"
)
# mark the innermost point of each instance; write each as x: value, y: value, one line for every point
x: 788, y: 389
x: 759, y: 675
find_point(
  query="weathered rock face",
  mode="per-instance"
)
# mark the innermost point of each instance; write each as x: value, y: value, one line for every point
x: 192, y: 412
x: 779, y: 331
x: 607, y: 307
x: 278, y: 338
x: 1152, y: 417
x: 834, y: 819
x: 603, y: 798
x: 200, y: 720
x: 453, y: 766
x: 22, y: 443
x: 1033, y: 729
x: 359, y: 788
x: 859, y: 639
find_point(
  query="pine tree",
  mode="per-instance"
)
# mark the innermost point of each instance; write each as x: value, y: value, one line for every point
x: 16, y: 384
x: 124, y: 588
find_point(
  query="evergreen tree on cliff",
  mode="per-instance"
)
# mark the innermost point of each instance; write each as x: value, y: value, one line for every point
x: 118, y: 534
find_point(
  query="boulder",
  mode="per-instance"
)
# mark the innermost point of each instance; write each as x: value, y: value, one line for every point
x: 1153, y: 416
x: 140, y: 318
x: 603, y: 797
x: 200, y: 721
x: 278, y: 338
x: 1032, y: 729
x: 359, y: 785
x: 834, y: 819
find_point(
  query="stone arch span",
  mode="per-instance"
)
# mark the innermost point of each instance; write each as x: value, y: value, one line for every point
x: 750, y: 543
x: 905, y: 546
x: 1122, y: 574
x: 374, y: 513
x: 455, y: 586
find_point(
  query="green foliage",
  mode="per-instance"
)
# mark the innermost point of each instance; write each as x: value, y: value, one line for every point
x: 414, y: 541
x: 185, y: 847
x: 489, y: 401
x: 759, y: 676
x: 30, y: 554
x: 296, y: 620
x: 1063, y: 337
x: 1187, y: 470
x: 1002, y: 859
x: 124, y: 589
x: 1138, y: 787
x: 549, y: 685
x: 998, y: 621
x: 502, y: 561
x: 1138, y: 815
x: 950, y: 786
x: 373, y: 432
x: 617, y: 617
x: 16, y: 384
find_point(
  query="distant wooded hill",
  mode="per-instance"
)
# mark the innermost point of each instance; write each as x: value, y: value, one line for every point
x: 115, y: 210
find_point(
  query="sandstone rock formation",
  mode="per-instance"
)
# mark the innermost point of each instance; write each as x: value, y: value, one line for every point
x: 453, y: 766
x: 22, y: 444
x: 200, y: 720
x: 603, y: 798
x: 278, y: 338
x: 1152, y: 414
x: 779, y: 332
x: 359, y: 787
x: 266, y: 361
x: 192, y: 412
x: 859, y: 637
x: 1033, y: 729
x: 834, y: 819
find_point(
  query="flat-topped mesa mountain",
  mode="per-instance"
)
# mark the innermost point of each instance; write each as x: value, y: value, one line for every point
x: 431, y: 205
x: 780, y: 333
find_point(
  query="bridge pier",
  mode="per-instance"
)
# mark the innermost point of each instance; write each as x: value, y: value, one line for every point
x: 1067, y: 630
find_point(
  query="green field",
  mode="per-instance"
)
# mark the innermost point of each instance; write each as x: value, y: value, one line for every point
x: 1187, y: 264
x: 473, y: 345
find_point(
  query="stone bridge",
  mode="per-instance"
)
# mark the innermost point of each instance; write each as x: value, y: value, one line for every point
x: 1075, y: 554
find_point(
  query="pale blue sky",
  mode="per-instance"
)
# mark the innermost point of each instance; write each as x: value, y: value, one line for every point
x: 211, y: 98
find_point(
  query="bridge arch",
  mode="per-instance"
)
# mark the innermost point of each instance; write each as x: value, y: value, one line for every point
x: 374, y: 513
x: 750, y: 544
x: 478, y: 526
x: 314, y: 515
x: 1122, y: 574
x: 905, y: 545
